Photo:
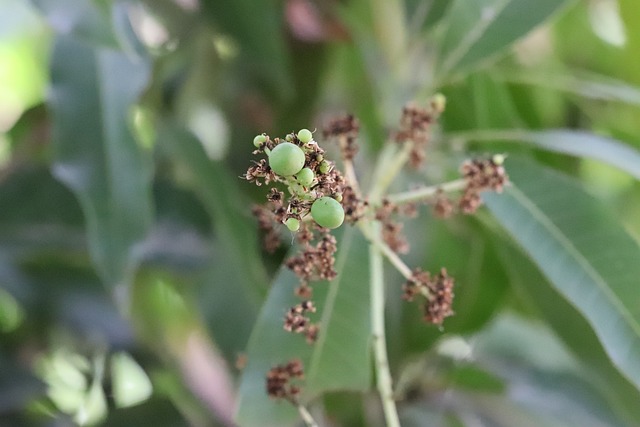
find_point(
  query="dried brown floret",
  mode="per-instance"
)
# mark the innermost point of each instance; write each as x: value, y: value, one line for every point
x: 345, y: 129
x: 480, y: 175
x: 443, y: 206
x: 437, y: 292
x: 279, y: 381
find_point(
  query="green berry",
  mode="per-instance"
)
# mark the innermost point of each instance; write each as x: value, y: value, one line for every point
x: 286, y: 159
x: 259, y: 140
x: 327, y: 212
x: 324, y: 167
x: 305, y: 135
x: 439, y: 102
x: 292, y: 224
x: 288, y: 137
x: 305, y: 177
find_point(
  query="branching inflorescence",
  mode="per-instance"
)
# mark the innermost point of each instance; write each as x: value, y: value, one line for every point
x: 310, y: 196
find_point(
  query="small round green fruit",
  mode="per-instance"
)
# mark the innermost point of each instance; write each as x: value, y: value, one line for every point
x: 305, y: 177
x: 327, y: 212
x: 259, y: 140
x: 292, y: 224
x: 286, y: 159
x: 324, y: 167
x: 305, y: 135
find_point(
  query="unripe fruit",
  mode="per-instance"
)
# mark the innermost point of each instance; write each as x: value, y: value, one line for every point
x: 498, y: 159
x: 305, y: 135
x: 292, y: 224
x: 327, y: 212
x: 259, y: 140
x: 324, y: 167
x: 286, y: 159
x: 305, y: 177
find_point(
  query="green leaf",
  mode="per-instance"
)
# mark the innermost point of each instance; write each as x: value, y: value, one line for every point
x: 340, y: 358
x: 95, y: 153
x: 131, y: 385
x: 582, y: 250
x: 570, y: 326
x: 575, y: 143
x: 478, y: 30
x: 232, y: 288
x: 577, y: 82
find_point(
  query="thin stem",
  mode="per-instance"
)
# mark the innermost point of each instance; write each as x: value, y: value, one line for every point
x: 427, y: 192
x: 387, y: 171
x: 391, y: 256
x: 306, y: 416
x: 383, y: 376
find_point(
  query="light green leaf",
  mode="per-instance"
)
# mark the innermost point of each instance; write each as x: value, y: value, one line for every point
x: 570, y: 326
x: 232, y: 288
x: 478, y: 30
x: 577, y: 82
x: 95, y: 153
x: 582, y: 250
x: 575, y: 143
x: 341, y: 357
x: 131, y: 385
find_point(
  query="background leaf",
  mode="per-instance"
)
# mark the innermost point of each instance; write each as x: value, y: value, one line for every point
x: 96, y: 154
x: 478, y: 30
x: 579, y: 247
x: 575, y: 143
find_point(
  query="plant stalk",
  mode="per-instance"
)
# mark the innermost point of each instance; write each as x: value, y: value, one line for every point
x: 427, y: 192
x: 383, y: 375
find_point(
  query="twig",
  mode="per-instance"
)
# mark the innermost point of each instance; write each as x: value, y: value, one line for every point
x: 427, y: 192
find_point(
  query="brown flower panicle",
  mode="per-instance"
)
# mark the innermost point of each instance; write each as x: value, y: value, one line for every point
x: 480, y: 175
x: 437, y: 292
x: 392, y: 233
x: 280, y: 381
x: 345, y: 129
x: 415, y: 127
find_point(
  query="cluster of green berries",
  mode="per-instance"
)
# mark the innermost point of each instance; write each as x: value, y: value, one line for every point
x: 297, y: 161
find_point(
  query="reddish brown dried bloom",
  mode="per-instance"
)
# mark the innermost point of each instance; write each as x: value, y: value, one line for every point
x: 266, y: 222
x: 315, y: 262
x: 279, y: 380
x: 391, y: 229
x: 297, y: 321
x: 303, y: 291
x: 345, y: 129
x: 415, y: 126
x: 443, y: 206
x: 260, y: 169
x: 437, y: 291
x: 438, y: 305
x: 311, y: 334
x: 480, y: 175
x: 354, y: 208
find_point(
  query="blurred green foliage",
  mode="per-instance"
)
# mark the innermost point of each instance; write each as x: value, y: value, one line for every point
x: 133, y: 287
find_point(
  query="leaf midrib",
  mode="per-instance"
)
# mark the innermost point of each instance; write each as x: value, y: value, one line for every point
x: 577, y: 256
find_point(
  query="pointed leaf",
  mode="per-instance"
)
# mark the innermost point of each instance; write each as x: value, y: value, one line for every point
x: 582, y: 250
x: 95, y: 153
x: 575, y: 143
x: 340, y: 358
x: 478, y: 30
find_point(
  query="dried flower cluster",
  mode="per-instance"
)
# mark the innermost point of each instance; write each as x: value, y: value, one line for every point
x: 297, y: 321
x: 415, y: 127
x: 437, y: 292
x: 280, y: 381
x: 345, y: 129
x: 392, y: 233
x: 481, y: 174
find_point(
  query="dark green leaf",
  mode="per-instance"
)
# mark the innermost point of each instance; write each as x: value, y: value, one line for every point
x: 583, y: 252
x: 575, y: 143
x: 478, y: 30
x: 95, y: 153
x: 340, y: 358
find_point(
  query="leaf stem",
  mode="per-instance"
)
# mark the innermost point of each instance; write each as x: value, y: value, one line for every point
x: 383, y: 375
x: 427, y: 192
x: 390, y: 164
x: 385, y: 250
x: 306, y: 416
